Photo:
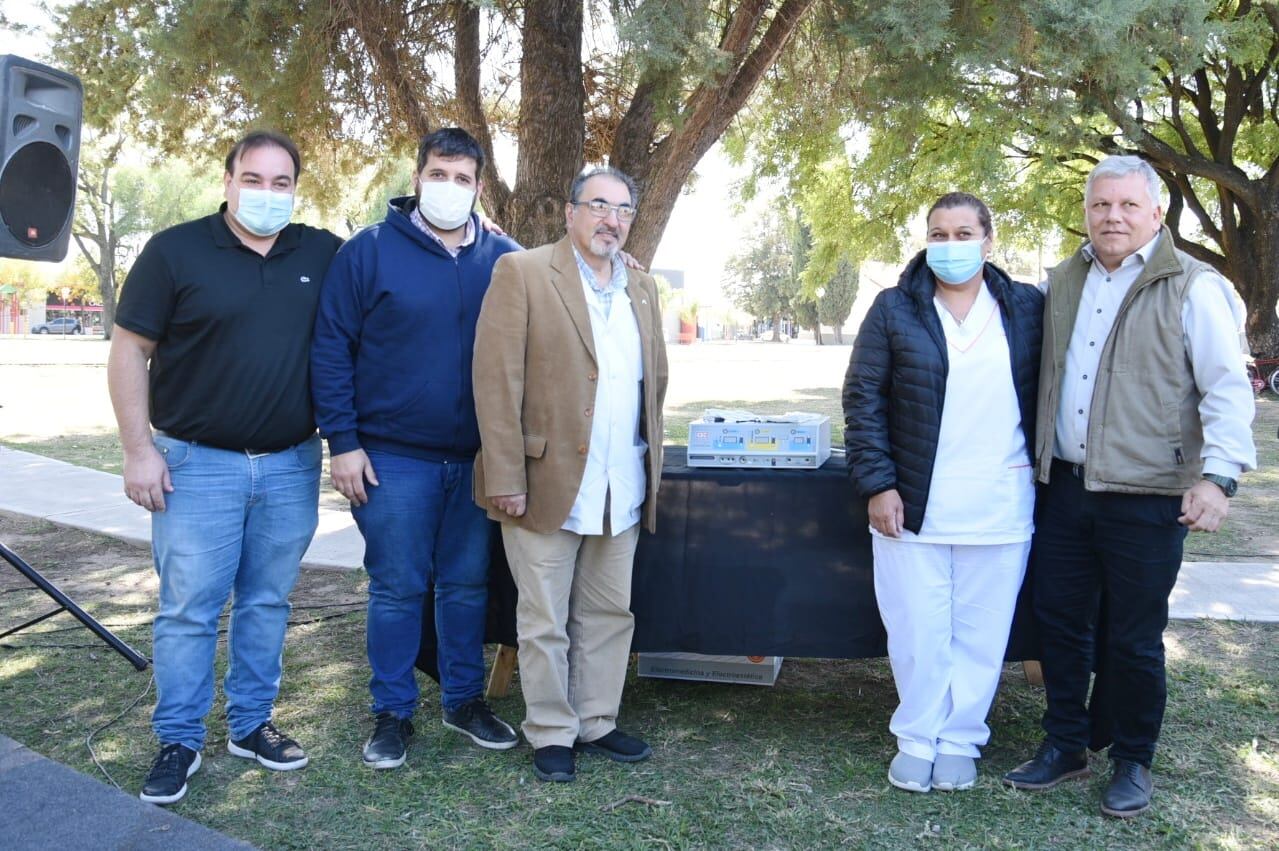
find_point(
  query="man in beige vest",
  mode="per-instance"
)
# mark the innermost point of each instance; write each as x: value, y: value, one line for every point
x: 1142, y: 433
x: 570, y: 373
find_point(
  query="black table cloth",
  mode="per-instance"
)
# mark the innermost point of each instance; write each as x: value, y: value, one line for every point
x: 762, y: 562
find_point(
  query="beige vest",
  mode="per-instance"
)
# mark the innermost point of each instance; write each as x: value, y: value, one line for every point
x: 1144, y: 431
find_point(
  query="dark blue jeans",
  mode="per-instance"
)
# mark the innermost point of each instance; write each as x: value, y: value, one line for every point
x: 1103, y: 565
x: 421, y: 528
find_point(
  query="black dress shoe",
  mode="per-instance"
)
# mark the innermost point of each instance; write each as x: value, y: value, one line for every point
x: 554, y: 763
x: 1049, y: 767
x: 618, y: 747
x: 1129, y: 791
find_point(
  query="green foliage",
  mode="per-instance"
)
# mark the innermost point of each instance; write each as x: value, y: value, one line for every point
x: 805, y: 312
x: 1014, y: 102
x: 761, y: 278
x: 32, y: 280
x: 103, y: 43
x: 838, y: 294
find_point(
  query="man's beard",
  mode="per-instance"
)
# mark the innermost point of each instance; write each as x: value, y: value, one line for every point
x: 607, y: 252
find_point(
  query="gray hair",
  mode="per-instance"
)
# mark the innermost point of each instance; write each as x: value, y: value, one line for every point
x: 1117, y: 166
x: 575, y: 193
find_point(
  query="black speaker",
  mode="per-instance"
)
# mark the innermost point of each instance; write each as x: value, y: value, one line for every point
x: 40, y: 113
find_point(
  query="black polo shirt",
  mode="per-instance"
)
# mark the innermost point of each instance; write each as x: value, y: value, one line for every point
x: 233, y: 331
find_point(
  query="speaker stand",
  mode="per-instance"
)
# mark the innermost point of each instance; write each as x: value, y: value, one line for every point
x: 66, y: 604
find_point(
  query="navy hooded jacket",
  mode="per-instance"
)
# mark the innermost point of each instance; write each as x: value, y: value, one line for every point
x: 391, y: 356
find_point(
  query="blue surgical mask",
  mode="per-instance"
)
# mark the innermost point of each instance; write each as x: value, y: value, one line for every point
x: 955, y: 262
x: 262, y: 212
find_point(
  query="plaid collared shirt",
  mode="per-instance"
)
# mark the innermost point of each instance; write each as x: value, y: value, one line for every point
x: 467, y: 238
x: 615, y: 284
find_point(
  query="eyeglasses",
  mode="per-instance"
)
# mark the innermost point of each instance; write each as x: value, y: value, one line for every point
x: 600, y: 209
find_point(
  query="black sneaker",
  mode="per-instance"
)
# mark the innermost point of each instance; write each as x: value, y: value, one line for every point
x: 271, y: 748
x: 618, y: 747
x: 167, y: 782
x: 476, y: 719
x: 554, y: 763
x: 388, y: 745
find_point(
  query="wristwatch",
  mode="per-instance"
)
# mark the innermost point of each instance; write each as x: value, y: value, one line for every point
x: 1228, y: 485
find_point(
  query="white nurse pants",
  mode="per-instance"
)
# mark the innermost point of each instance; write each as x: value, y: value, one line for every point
x: 948, y: 609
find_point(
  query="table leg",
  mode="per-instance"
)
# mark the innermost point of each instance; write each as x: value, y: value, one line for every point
x: 503, y: 669
x: 1034, y: 672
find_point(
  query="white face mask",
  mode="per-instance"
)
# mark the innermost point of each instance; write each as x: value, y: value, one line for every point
x: 445, y: 204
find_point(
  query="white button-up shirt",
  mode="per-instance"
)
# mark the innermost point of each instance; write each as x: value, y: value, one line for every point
x: 615, y: 458
x: 1210, y: 334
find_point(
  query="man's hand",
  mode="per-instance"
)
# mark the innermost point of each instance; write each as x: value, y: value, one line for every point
x: 349, y: 471
x: 489, y: 225
x: 886, y: 513
x: 1204, y: 507
x: 513, y: 504
x: 146, y: 478
x: 629, y: 262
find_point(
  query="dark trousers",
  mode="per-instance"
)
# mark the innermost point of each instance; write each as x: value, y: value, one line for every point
x: 1103, y: 567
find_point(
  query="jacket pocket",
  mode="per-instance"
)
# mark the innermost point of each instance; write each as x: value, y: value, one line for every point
x: 534, y: 446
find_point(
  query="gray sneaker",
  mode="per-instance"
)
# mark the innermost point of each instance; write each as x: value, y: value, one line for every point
x: 954, y: 773
x: 910, y: 773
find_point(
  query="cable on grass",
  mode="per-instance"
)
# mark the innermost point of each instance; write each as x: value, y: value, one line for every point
x: 88, y: 740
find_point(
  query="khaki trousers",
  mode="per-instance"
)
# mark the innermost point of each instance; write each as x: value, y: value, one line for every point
x: 574, y: 622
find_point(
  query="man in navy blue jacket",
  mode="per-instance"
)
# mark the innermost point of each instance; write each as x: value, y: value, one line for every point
x: 391, y: 381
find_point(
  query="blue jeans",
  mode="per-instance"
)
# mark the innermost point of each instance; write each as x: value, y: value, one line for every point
x: 421, y: 528
x: 234, y: 526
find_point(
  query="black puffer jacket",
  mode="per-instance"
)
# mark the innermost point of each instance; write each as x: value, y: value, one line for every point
x: 896, y: 382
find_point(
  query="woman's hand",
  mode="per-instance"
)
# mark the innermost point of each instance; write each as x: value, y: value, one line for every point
x: 886, y: 513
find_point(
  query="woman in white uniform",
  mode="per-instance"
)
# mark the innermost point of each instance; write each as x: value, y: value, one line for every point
x: 939, y: 406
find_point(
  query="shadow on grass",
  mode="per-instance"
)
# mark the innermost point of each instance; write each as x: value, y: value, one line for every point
x: 799, y: 765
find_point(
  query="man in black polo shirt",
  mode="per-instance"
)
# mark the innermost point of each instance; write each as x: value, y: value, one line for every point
x: 211, y: 348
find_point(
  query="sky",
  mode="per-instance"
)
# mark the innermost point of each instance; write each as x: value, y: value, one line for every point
x: 699, y: 239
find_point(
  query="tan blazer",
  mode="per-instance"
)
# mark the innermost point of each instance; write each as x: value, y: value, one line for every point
x: 535, y: 376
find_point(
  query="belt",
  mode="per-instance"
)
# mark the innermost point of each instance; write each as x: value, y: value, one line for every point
x: 1069, y: 468
x: 249, y: 451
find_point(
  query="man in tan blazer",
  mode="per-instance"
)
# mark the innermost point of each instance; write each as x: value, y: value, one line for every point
x: 570, y: 373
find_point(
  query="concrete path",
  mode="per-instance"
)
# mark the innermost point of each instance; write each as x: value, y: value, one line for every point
x: 36, y: 486
x: 63, y: 493
x: 47, y: 805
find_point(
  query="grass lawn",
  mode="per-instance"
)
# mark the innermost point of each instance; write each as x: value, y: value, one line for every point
x: 800, y: 765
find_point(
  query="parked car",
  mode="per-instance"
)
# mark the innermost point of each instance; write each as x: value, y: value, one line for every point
x: 61, y: 325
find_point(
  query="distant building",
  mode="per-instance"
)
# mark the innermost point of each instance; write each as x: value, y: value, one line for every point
x: 674, y: 277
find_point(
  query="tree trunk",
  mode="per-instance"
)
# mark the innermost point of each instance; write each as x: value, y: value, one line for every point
x: 817, y: 334
x: 777, y: 327
x: 1256, y: 276
x: 107, y: 288
x: 839, y: 335
x: 552, y: 123
x: 663, y: 169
